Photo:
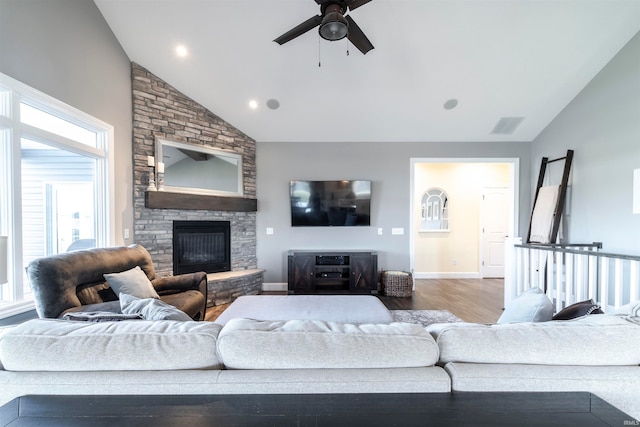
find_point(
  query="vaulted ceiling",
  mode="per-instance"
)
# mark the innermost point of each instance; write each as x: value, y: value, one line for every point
x: 498, y: 59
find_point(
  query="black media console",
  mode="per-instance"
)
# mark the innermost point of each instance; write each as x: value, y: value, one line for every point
x: 332, y: 272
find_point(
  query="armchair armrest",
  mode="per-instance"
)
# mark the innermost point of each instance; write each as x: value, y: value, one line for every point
x: 183, y: 282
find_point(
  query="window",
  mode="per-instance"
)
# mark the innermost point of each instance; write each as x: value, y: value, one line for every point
x: 55, y: 175
x: 434, y: 210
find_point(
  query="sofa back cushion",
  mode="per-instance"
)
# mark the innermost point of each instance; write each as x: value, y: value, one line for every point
x: 594, y: 340
x: 301, y: 344
x: 63, y: 281
x: 132, y: 345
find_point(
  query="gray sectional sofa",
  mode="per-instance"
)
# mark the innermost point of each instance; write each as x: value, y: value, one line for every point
x: 597, y: 353
x: 51, y: 356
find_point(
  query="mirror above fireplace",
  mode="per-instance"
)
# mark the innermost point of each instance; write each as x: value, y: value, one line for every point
x: 196, y: 169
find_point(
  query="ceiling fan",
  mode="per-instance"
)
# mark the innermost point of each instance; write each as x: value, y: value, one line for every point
x: 334, y: 25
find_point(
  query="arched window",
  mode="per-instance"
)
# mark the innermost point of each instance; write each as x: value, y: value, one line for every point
x: 434, y: 215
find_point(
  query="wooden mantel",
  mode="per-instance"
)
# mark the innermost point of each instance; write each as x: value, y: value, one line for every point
x: 170, y: 200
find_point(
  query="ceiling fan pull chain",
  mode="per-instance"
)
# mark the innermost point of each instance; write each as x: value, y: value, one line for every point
x: 319, y: 51
x: 347, y: 47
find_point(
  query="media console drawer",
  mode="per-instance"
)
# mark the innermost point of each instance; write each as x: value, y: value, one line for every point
x: 332, y: 272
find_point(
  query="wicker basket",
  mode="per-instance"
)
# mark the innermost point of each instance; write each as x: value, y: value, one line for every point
x: 397, y: 283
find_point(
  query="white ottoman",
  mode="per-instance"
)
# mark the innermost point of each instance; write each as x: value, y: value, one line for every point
x: 355, y: 309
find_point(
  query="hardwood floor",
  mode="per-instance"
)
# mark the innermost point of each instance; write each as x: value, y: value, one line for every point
x: 472, y: 300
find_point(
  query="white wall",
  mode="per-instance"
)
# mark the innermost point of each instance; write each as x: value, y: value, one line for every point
x: 65, y: 49
x: 602, y: 125
x: 387, y: 165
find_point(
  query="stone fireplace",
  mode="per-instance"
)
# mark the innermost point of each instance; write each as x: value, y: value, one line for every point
x: 162, y: 112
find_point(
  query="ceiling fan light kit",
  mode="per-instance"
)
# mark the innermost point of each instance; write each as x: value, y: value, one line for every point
x: 334, y: 25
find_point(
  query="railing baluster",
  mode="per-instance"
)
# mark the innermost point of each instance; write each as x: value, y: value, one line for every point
x: 519, y: 275
x: 618, y: 283
x: 550, y: 265
x: 604, y: 283
x: 558, y: 282
x: 541, y: 267
x: 527, y: 272
x: 569, y: 296
x: 523, y: 271
x: 593, y: 278
x: 580, y: 282
x: 634, y: 280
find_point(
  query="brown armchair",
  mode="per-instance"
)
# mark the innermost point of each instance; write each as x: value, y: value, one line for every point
x: 73, y: 281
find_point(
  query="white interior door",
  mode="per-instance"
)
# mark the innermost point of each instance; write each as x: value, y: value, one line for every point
x: 495, y: 228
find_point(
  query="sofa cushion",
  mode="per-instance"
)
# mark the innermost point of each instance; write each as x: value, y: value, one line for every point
x: 132, y: 282
x: 530, y: 306
x: 617, y: 385
x: 596, y: 340
x: 429, y: 379
x: 151, y: 308
x: 59, y: 345
x: 191, y: 302
x: 295, y: 344
x: 95, y: 293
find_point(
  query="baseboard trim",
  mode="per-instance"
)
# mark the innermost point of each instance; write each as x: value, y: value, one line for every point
x: 447, y: 275
x: 274, y: 287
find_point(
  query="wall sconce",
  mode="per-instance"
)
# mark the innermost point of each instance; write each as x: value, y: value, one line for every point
x: 3, y: 260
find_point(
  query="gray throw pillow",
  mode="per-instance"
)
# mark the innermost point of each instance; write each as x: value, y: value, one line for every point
x: 132, y: 282
x: 151, y: 308
x: 530, y: 306
x: 579, y: 309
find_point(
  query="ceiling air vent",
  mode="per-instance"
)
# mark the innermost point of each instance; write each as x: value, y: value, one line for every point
x: 507, y: 125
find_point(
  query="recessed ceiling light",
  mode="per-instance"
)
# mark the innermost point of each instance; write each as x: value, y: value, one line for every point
x: 450, y: 104
x: 253, y: 104
x: 181, y: 51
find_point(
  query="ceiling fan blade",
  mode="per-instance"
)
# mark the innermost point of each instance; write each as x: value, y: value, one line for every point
x: 357, y: 3
x: 307, y: 25
x: 357, y: 37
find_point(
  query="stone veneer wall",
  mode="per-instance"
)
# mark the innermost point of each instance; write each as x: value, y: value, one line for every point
x: 160, y: 111
x: 226, y: 287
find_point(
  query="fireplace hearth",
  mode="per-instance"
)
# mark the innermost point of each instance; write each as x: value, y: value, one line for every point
x: 201, y: 246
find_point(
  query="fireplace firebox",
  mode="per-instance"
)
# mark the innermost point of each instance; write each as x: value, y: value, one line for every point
x: 201, y: 246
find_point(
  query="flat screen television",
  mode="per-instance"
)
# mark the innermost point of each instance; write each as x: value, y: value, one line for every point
x: 330, y: 203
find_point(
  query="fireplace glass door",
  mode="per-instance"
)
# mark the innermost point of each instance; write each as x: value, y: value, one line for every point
x: 201, y: 246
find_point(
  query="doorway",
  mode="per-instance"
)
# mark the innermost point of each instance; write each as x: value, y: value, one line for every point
x: 458, y: 251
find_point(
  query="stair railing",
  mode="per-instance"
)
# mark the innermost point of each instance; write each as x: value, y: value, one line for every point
x: 572, y: 272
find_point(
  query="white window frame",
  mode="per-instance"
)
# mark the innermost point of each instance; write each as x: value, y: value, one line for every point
x: 10, y: 175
